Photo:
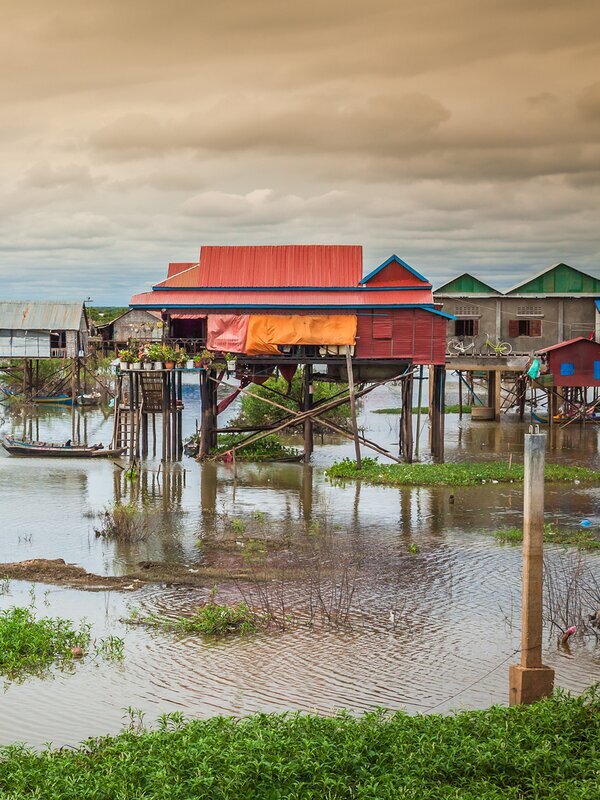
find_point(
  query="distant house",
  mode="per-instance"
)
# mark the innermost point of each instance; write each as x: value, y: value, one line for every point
x: 558, y: 303
x: 43, y: 329
x: 133, y: 324
x: 574, y: 363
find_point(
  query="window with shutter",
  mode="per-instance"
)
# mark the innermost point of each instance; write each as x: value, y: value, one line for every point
x: 466, y: 327
x: 382, y: 327
x: 567, y: 368
x: 525, y: 327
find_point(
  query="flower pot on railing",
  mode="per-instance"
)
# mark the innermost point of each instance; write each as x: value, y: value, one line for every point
x: 169, y: 364
x: 157, y: 364
x: 231, y: 365
x: 123, y: 365
x: 146, y: 366
x: 189, y: 364
x: 136, y: 365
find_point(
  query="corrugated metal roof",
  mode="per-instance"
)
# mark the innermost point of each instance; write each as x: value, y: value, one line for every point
x: 568, y: 343
x: 280, y: 265
x: 291, y: 298
x: 192, y: 301
x: 40, y: 316
x: 175, y: 267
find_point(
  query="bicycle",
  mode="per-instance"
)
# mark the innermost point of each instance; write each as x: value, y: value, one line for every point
x: 458, y: 347
x: 498, y: 349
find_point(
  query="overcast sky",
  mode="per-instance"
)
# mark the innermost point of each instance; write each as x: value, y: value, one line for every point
x: 459, y: 134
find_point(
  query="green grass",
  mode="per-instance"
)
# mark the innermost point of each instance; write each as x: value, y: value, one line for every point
x: 31, y: 647
x: 211, y: 619
x: 580, y: 538
x: 547, y: 751
x: 451, y: 409
x: 461, y: 474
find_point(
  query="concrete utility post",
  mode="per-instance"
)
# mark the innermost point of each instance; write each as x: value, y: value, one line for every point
x: 531, y: 680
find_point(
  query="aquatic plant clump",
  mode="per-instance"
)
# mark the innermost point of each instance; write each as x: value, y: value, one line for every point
x: 459, y: 474
x: 581, y: 539
x: 269, y: 447
x: 211, y: 619
x: 548, y: 750
x: 30, y: 646
x: 449, y: 409
x: 123, y: 521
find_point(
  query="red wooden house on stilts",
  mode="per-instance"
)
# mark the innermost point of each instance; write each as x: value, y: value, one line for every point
x: 303, y: 305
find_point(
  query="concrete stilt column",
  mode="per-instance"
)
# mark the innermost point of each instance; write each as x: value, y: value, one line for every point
x: 531, y: 680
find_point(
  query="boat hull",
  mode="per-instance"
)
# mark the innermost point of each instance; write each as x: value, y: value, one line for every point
x: 37, y: 450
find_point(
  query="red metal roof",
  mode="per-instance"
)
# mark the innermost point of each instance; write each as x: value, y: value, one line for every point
x: 567, y: 343
x: 175, y: 267
x: 281, y: 265
x: 211, y: 298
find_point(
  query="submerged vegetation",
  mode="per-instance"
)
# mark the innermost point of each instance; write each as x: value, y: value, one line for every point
x: 449, y: 409
x: 547, y: 750
x: 459, y: 474
x: 123, y: 521
x: 211, y: 619
x: 265, y: 449
x: 30, y: 646
x: 581, y: 538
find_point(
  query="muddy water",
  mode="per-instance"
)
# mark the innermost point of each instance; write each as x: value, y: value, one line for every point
x: 455, y: 601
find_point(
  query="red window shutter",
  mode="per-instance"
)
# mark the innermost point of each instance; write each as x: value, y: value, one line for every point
x: 475, y: 327
x: 513, y: 328
x: 382, y: 327
x: 535, y: 327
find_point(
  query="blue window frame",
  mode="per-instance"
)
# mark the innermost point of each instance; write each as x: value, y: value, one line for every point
x: 566, y: 368
x: 597, y: 370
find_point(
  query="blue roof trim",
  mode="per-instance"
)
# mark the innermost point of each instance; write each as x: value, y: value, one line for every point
x: 354, y: 306
x: 158, y: 288
x: 394, y: 259
x: 597, y: 302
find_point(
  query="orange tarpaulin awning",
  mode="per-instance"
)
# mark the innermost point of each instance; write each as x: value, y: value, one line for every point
x: 266, y: 331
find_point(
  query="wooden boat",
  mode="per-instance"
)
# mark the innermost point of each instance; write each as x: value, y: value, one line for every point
x: 21, y: 447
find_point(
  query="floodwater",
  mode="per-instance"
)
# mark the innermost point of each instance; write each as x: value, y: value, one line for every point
x: 435, y: 615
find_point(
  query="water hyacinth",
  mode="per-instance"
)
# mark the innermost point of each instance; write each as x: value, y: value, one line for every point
x: 452, y: 474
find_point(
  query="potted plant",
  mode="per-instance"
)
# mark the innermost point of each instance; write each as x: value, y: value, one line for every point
x: 206, y: 358
x: 180, y: 358
x: 145, y: 359
x: 125, y: 359
x: 230, y: 361
x: 156, y: 354
x: 135, y: 361
x: 169, y: 356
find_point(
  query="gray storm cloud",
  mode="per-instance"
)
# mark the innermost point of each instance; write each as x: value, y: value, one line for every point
x: 461, y: 135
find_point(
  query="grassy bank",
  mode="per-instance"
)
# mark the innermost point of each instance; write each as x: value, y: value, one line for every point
x: 548, y: 750
x: 578, y: 537
x: 462, y: 474
x: 451, y: 409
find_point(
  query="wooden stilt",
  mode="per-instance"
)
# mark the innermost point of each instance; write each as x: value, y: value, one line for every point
x: 306, y: 406
x: 460, y: 395
x: 437, y: 411
x: 406, y: 419
x: 164, y: 414
x: 419, y: 402
x: 350, y: 371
